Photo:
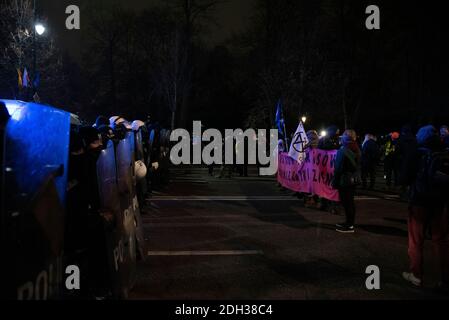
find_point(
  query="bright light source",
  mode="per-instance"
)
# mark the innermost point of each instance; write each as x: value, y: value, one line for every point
x: 304, y: 119
x: 323, y: 133
x: 40, y: 29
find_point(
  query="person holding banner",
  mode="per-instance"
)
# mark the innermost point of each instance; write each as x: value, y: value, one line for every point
x: 312, y: 200
x: 346, y: 178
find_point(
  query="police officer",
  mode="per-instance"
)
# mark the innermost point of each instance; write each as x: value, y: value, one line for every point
x: 99, y: 218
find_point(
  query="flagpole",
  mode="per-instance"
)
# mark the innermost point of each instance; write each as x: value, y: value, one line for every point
x: 285, y: 130
x: 286, y: 138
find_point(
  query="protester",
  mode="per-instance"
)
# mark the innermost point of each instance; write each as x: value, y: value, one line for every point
x: 370, y: 160
x: 314, y: 139
x: 427, y: 208
x: 346, y: 178
x: 242, y: 169
x: 331, y: 140
x: 225, y: 169
x: 391, y: 161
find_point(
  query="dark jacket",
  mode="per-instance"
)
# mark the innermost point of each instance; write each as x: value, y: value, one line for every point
x: 346, y: 166
x: 370, y: 154
x: 420, y: 193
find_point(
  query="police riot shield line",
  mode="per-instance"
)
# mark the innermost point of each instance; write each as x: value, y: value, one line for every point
x: 140, y: 191
x: 128, y: 191
x: 109, y: 197
x: 136, y: 144
x: 34, y: 187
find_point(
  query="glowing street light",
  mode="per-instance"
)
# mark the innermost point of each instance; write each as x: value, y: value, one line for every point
x: 40, y: 29
x: 323, y: 133
x: 304, y: 119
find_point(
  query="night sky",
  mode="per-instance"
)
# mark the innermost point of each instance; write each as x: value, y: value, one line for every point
x: 231, y: 16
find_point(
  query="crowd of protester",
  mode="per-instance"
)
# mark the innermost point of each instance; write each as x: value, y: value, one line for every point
x: 416, y: 164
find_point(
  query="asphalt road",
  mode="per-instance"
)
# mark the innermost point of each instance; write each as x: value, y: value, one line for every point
x: 244, y: 238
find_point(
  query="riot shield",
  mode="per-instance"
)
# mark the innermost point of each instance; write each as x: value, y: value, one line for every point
x: 141, y: 184
x: 109, y: 199
x: 127, y: 181
x: 34, y: 187
x: 126, y: 185
x: 139, y: 152
x: 152, y: 137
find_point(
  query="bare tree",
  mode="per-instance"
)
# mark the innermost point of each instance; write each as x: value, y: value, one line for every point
x: 17, y: 53
x: 194, y: 14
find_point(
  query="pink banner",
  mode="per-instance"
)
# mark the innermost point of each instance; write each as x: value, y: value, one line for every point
x: 313, y: 176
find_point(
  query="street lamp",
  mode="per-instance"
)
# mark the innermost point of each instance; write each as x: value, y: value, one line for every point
x: 304, y: 119
x: 323, y: 133
x: 40, y: 29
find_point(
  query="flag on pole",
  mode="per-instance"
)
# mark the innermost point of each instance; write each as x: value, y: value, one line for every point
x: 280, y: 122
x: 26, y: 79
x: 20, y: 80
x: 299, y: 143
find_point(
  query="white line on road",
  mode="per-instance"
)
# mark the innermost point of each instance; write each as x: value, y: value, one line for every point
x: 231, y: 198
x: 204, y: 253
x: 242, y: 198
x: 367, y: 199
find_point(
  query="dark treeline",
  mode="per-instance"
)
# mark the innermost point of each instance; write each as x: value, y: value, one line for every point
x: 315, y: 55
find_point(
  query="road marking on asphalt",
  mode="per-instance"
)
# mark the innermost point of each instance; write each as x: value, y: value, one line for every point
x: 242, y: 198
x: 204, y: 253
x: 225, y: 198
x: 367, y: 199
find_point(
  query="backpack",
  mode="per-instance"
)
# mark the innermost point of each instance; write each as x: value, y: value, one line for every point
x: 433, y: 175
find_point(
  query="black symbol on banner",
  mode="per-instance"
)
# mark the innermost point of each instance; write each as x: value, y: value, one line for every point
x: 298, y: 141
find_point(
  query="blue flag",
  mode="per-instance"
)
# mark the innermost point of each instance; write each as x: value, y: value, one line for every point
x: 26, y: 79
x: 280, y: 122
